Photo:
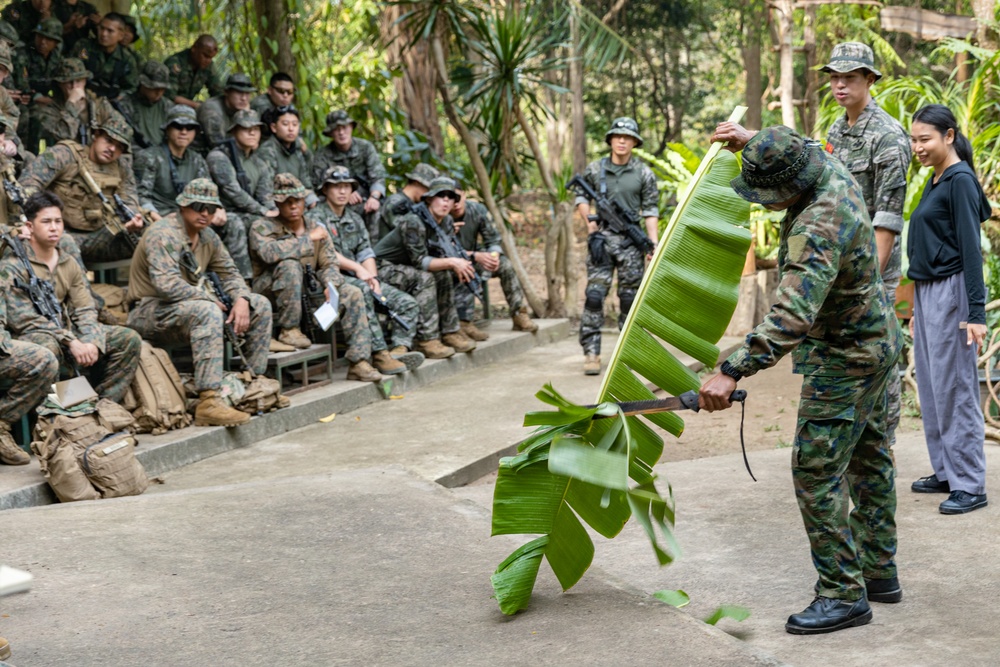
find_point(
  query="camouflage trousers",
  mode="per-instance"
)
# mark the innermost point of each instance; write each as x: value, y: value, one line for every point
x: 842, y: 452
x: 401, y: 303
x: 112, y: 375
x: 101, y: 246
x: 465, y: 301
x: 424, y: 287
x: 630, y: 264
x: 199, y: 324
x: 234, y: 236
x: 282, y: 286
x: 27, y: 374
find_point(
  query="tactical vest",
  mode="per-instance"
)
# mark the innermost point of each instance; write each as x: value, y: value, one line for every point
x: 82, y: 210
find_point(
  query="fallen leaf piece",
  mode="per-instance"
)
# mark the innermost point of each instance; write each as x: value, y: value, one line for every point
x: 329, y: 418
x: 396, y: 397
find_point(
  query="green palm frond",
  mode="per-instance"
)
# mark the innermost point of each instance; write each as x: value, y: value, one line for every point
x: 573, y: 470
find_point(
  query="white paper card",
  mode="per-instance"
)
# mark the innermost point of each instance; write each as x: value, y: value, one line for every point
x: 325, y: 316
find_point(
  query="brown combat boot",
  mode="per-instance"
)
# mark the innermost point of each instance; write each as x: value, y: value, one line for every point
x: 295, y: 338
x: 362, y: 371
x: 4, y: 649
x: 472, y: 331
x: 434, y: 349
x: 592, y: 364
x: 413, y: 360
x: 459, y: 341
x: 278, y: 346
x: 10, y: 453
x: 523, y: 323
x: 386, y: 365
x: 213, y: 411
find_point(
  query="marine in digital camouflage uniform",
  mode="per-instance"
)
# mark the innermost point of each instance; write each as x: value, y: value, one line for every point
x: 400, y: 203
x: 62, y: 119
x: 360, y: 157
x: 350, y: 239
x: 115, y: 69
x: 217, y: 113
x: 147, y: 109
x: 284, y: 151
x: 634, y: 185
x: 193, y: 70
x: 244, y: 201
x: 118, y: 347
x: 163, y: 171
x: 876, y: 150
x: 170, y: 306
x: 833, y: 315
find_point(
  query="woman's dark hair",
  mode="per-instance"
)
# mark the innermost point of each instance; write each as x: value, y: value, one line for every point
x: 38, y: 201
x: 942, y: 119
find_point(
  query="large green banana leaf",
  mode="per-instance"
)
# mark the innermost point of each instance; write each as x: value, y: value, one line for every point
x: 573, y: 470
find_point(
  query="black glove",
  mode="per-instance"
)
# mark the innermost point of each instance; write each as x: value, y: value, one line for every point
x: 596, y: 249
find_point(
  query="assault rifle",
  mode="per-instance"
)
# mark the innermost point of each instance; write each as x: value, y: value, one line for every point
x: 445, y: 244
x: 312, y: 291
x: 383, y: 303
x: 138, y: 138
x: 41, y: 292
x: 14, y: 191
x: 232, y: 150
x: 117, y: 213
x: 615, y: 215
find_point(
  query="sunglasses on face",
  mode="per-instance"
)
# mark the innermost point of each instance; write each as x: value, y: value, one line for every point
x: 201, y: 207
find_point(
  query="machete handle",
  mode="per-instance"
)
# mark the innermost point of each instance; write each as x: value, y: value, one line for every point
x: 738, y: 396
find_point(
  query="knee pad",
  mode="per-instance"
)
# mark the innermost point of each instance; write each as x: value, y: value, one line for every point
x: 595, y: 300
x: 626, y: 299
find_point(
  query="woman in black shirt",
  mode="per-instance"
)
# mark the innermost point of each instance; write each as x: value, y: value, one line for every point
x: 949, y: 318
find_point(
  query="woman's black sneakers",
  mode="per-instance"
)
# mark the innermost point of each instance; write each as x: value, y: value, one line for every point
x: 960, y: 502
x: 930, y: 484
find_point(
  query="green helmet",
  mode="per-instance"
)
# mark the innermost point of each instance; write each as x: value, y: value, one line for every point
x: 778, y: 164
x: 626, y: 126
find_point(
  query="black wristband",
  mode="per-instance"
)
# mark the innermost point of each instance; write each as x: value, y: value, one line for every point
x: 730, y: 370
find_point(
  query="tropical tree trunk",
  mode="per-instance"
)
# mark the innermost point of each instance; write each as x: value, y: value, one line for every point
x: 276, y: 47
x: 754, y: 77
x: 985, y: 11
x: 786, y: 85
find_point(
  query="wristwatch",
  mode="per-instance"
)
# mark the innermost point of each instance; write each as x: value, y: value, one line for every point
x: 730, y: 370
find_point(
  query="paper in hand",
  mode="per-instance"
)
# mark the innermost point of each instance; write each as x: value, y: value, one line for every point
x: 327, y: 314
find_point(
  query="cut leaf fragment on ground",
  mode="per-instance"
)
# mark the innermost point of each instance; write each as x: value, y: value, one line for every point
x: 329, y: 418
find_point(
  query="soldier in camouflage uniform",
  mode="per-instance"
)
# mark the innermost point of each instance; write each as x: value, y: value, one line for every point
x: 146, y: 109
x: 171, y: 305
x: 24, y: 15
x: 15, y: 81
x: 408, y: 259
x: 280, y: 93
x: 480, y: 237
x: 39, y: 61
x: 193, y: 70
x: 361, y: 158
x: 60, y: 170
x: 30, y: 371
x: 8, y: 104
x: 163, y: 171
x: 107, y: 355
x: 284, y: 151
x: 71, y: 110
x: 79, y: 19
x: 832, y: 313
x: 115, y: 69
x: 627, y: 178
x: 399, y: 203
x: 216, y: 115
x: 357, y: 262
x: 244, y: 182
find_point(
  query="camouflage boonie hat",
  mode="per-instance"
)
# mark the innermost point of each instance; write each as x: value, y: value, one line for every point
x: 423, y: 173
x: 778, y: 164
x: 287, y: 186
x: 335, y: 119
x: 441, y: 185
x: 115, y: 126
x: 154, y: 75
x: 338, y: 174
x: 181, y: 115
x: 851, y: 56
x: 240, y: 82
x: 71, y: 69
x: 244, y: 118
x: 50, y: 28
x: 9, y: 34
x: 200, y: 190
x: 626, y: 126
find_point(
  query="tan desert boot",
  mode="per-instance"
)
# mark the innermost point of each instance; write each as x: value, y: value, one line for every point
x: 386, y: 365
x: 413, y: 360
x: 592, y: 364
x: 434, y: 349
x: 523, y: 323
x: 278, y: 346
x: 295, y: 338
x: 459, y: 341
x: 212, y: 411
x: 362, y: 371
x: 472, y: 331
x: 10, y: 453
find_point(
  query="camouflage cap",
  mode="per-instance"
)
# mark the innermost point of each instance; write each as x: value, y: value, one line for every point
x: 851, y: 56
x: 182, y: 116
x: 286, y: 186
x: 626, y: 126
x: 423, y: 173
x: 442, y: 185
x: 335, y: 119
x: 778, y: 164
x: 200, y: 190
x: 8, y: 33
x: 71, y: 69
x: 115, y: 126
x: 50, y: 28
x: 338, y: 174
x: 244, y: 118
x: 154, y: 75
x: 240, y: 82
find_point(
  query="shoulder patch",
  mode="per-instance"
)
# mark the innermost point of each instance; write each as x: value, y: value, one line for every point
x: 796, y: 244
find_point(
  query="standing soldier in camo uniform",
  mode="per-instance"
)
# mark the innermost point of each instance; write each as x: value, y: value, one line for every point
x: 357, y: 262
x: 60, y: 170
x: 216, y: 114
x: 284, y: 151
x: 400, y: 203
x: 244, y: 182
x: 115, y: 69
x: 627, y: 178
x: 193, y: 70
x: 107, y: 355
x: 876, y: 150
x: 361, y: 158
x: 481, y: 238
x: 170, y: 304
x: 146, y: 109
x: 162, y: 172
x: 833, y: 315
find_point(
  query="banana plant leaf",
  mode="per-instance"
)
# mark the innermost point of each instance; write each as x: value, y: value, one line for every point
x: 573, y: 470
